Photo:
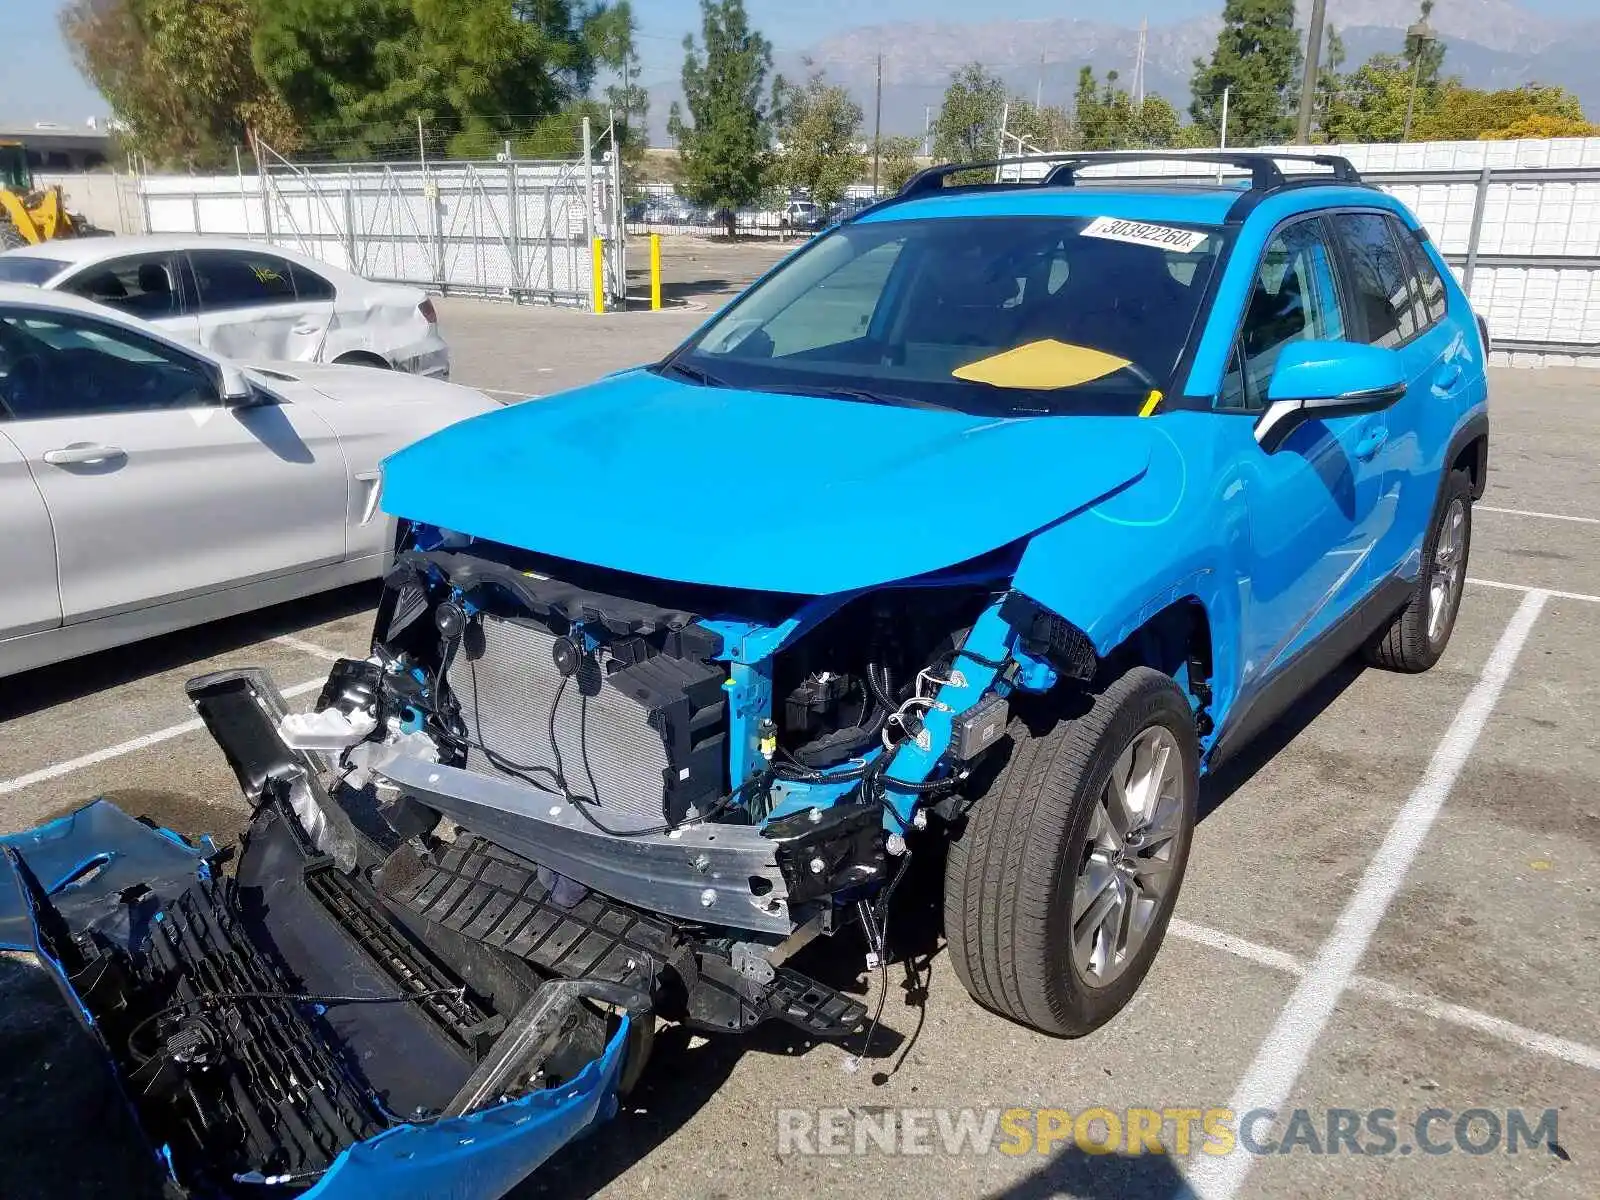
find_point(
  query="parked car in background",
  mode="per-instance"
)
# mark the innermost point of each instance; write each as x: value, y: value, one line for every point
x: 244, y: 299
x: 147, y: 485
x: 803, y: 215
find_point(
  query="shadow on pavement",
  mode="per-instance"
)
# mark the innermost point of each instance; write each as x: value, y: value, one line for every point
x: 1073, y: 1172
x: 1271, y: 741
x: 78, y: 677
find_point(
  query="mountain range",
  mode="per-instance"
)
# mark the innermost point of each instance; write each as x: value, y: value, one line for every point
x: 1489, y: 44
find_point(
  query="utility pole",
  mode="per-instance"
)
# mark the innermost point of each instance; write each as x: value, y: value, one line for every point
x: 1038, y: 87
x: 927, y: 131
x: 1308, y: 82
x: 1222, y: 132
x: 1138, y: 62
x: 877, y: 126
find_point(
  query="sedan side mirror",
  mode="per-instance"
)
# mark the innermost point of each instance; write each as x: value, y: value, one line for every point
x: 1314, y: 380
x: 235, y: 388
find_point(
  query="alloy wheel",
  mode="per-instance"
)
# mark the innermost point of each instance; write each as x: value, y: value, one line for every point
x: 1127, y: 863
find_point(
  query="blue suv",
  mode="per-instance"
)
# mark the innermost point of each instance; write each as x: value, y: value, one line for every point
x: 988, y: 522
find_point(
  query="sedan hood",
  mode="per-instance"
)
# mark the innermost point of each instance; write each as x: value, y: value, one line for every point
x: 343, y: 381
x: 757, y: 490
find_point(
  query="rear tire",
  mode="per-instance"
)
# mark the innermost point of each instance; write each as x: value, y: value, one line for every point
x: 10, y: 236
x: 1417, y: 636
x: 1053, y: 916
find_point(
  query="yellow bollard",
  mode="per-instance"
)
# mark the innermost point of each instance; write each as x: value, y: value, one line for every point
x: 598, y: 277
x: 655, y: 272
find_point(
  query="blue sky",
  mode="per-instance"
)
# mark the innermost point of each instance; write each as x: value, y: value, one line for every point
x: 39, y: 83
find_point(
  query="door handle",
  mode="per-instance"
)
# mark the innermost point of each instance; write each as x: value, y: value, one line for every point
x: 83, y: 452
x: 1448, y: 377
x: 1371, y: 443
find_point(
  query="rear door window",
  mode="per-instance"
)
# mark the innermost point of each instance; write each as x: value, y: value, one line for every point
x: 241, y: 279
x: 143, y: 285
x: 1430, y: 284
x: 1380, y: 281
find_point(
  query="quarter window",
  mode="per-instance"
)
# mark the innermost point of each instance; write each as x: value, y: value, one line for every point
x: 62, y: 365
x: 236, y: 279
x: 1295, y: 299
x: 1379, y: 281
x: 308, y: 285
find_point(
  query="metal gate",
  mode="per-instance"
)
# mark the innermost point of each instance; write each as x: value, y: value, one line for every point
x: 518, y: 230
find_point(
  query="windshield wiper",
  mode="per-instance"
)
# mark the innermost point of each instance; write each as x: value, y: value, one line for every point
x: 861, y: 395
x: 693, y: 374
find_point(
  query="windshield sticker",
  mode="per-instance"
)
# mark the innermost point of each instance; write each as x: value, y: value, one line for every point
x: 1041, y: 366
x: 1162, y: 237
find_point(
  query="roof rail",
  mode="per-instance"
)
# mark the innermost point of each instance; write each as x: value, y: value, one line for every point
x: 1262, y: 165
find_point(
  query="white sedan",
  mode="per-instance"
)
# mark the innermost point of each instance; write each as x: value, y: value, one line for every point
x: 243, y: 299
x: 147, y: 485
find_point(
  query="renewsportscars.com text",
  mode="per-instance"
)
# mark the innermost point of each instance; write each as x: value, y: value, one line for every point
x: 1172, y: 1131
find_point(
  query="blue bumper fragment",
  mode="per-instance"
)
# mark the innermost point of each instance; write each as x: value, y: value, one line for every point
x: 78, y: 866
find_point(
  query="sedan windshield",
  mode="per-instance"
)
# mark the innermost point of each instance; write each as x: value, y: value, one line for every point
x: 28, y: 268
x: 983, y: 314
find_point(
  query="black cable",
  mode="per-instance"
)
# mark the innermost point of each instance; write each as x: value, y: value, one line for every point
x: 583, y: 740
x: 555, y: 746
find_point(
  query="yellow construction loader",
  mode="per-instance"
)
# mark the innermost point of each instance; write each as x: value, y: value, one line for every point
x: 27, y: 216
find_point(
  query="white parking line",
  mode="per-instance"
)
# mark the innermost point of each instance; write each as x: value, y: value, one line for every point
x: 1288, y: 1045
x: 311, y: 648
x: 1544, y: 516
x: 1521, y: 1036
x: 57, y: 770
x: 1522, y: 587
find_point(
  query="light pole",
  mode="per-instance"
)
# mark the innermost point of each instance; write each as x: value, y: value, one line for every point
x: 1418, y: 35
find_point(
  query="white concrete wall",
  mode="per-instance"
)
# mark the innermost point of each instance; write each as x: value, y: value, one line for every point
x: 108, y: 200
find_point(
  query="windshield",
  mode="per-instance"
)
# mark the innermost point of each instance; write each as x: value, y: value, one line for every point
x: 984, y: 314
x: 27, y: 268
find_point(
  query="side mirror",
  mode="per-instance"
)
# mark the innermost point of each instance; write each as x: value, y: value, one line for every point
x: 235, y: 388
x: 1314, y: 380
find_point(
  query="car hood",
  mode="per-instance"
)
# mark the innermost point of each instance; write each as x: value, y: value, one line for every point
x: 757, y: 490
x: 344, y: 382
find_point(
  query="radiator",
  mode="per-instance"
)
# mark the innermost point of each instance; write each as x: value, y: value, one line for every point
x: 506, y: 685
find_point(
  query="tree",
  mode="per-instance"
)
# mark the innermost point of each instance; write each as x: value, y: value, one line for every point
x: 897, y: 162
x: 1461, y: 113
x: 968, y: 128
x: 1257, y: 59
x: 1109, y: 119
x: 359, y: 73
x: 725, y: 143
x: 1046, y: 128
x: 1330, y: 83
x: 179, y: 74
x: 817, y: 126
x: 1370, y: 105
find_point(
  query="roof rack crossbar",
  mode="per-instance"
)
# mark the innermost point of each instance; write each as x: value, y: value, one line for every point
x: 1262, y: 165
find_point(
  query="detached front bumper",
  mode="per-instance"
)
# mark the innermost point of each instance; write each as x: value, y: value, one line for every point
x: 156, y: 953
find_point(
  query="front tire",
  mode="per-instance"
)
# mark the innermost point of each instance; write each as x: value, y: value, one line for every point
x: 1059, y: 887
x: 1417, y: 636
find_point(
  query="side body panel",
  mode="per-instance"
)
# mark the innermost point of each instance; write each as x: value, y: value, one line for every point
x: 30, y: 597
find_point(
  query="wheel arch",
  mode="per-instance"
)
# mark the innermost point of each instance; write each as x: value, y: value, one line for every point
x: 1178, y: 641
x: 363, y: 358
x: 1469, y: 451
